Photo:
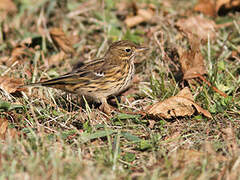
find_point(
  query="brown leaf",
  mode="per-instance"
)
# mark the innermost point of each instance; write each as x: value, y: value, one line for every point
x: 4, y: 59
x: 206, y: 7
x: 56, y: 58
x: 17, y: 53
x: 5, y: 131
x: 180, y: 105
x: 20, y: 52
x: 143, y: 15
x: 198, y: 26
x: 214, y: 7
x: 224, y: 6
x: 61, y: 40
x: 122, y: 6
x: 11, y: 85
x: 3, y: 127
x: 7, y: 5
x: 192, y: 64
x: 192, y: 61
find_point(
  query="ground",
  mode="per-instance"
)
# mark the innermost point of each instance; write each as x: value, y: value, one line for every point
x: 50, y: 134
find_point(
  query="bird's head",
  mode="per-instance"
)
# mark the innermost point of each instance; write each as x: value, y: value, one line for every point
x: 123, y: 51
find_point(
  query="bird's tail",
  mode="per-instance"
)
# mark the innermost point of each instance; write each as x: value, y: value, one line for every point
x: 48, y: 83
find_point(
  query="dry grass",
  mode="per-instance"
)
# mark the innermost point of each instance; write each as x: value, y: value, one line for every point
x: 56, y: 138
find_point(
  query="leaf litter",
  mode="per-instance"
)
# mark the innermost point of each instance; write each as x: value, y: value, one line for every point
x: 181, y: 105
x: 177, y: 106
x: 217, y: 7
x: 11, y: 85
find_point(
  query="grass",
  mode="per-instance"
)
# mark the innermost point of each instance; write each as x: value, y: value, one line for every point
x: 50, y: 136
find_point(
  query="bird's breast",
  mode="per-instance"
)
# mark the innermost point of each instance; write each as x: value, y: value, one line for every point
x: 129, y: 70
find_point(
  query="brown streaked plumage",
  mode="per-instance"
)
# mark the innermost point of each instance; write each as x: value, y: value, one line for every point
x: 102, y: 77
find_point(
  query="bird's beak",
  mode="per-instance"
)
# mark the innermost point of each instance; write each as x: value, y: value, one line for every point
x: 141, y: 49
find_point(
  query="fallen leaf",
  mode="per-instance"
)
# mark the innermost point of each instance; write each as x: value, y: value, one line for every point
x: 123, y: 9
x: 192, y: 61
x: 206, y: 7
x: 20, y: 52
x: 225, y: 6
x: 4, y: 59
x: 143, y: 15
x: 7, y: 5
x: 217, y: 7
x: 192, y: 64
x: 198, y: 26
x: 17, y: 54
x: 61, y: 41
x: 177, y: 106
x: 56, y: 58
x: 11, y: 85
x: 5, y: 131
x: 3, y: 127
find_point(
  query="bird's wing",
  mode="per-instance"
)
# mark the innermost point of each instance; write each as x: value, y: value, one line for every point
x: 92, y: 71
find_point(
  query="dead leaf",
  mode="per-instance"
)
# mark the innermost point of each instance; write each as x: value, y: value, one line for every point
x: 56, y: 58
x: 177, y: 106
x: 11, y: 85
x: 61, y: 41
x: 192, y: 64
x: 126, y: 8
x: 206, y: 7
x: 225, y: 6
x: 17, y: 54
x: 122, y: 6
x: 192, y: 61
x: 143, y: 15
x: 20, y: 52
x: 214, y: 7
x: 7, y: 5
x: 3, y: 127
x: 4, y: 59
x: 198, y: 26
x: 5, y: 131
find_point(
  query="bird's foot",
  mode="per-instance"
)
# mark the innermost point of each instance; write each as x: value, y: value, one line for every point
x: 106, y: 108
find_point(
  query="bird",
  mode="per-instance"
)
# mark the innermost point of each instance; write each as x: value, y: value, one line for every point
x: 102, y: 77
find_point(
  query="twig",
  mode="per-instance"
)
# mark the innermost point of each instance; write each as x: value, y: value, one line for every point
x: 213, y: 87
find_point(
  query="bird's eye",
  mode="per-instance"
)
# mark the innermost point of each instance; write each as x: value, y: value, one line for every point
x: 128, y: 50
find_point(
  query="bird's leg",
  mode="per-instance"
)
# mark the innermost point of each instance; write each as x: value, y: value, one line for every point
x: 105, y: 107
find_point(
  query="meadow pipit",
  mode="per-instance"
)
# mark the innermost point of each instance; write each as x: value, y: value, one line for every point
x: 101, y: 78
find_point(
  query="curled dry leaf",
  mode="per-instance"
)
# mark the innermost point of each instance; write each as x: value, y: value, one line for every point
x: 192, y: 61
x: 20, y: 52
x: 56, y: 58
x: 206, y: 7
x: 214, y: 7
x: 4, y: 130
x: 8, y: 6
x: 61, y: 41
x: 122, y: 7
x: 11, y: 85
x: 198, y: 26
x: 3, y: 127
x: 143, y: 15
x: 17, y: 54
x: 177, y: 106
x: 224, y: 6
